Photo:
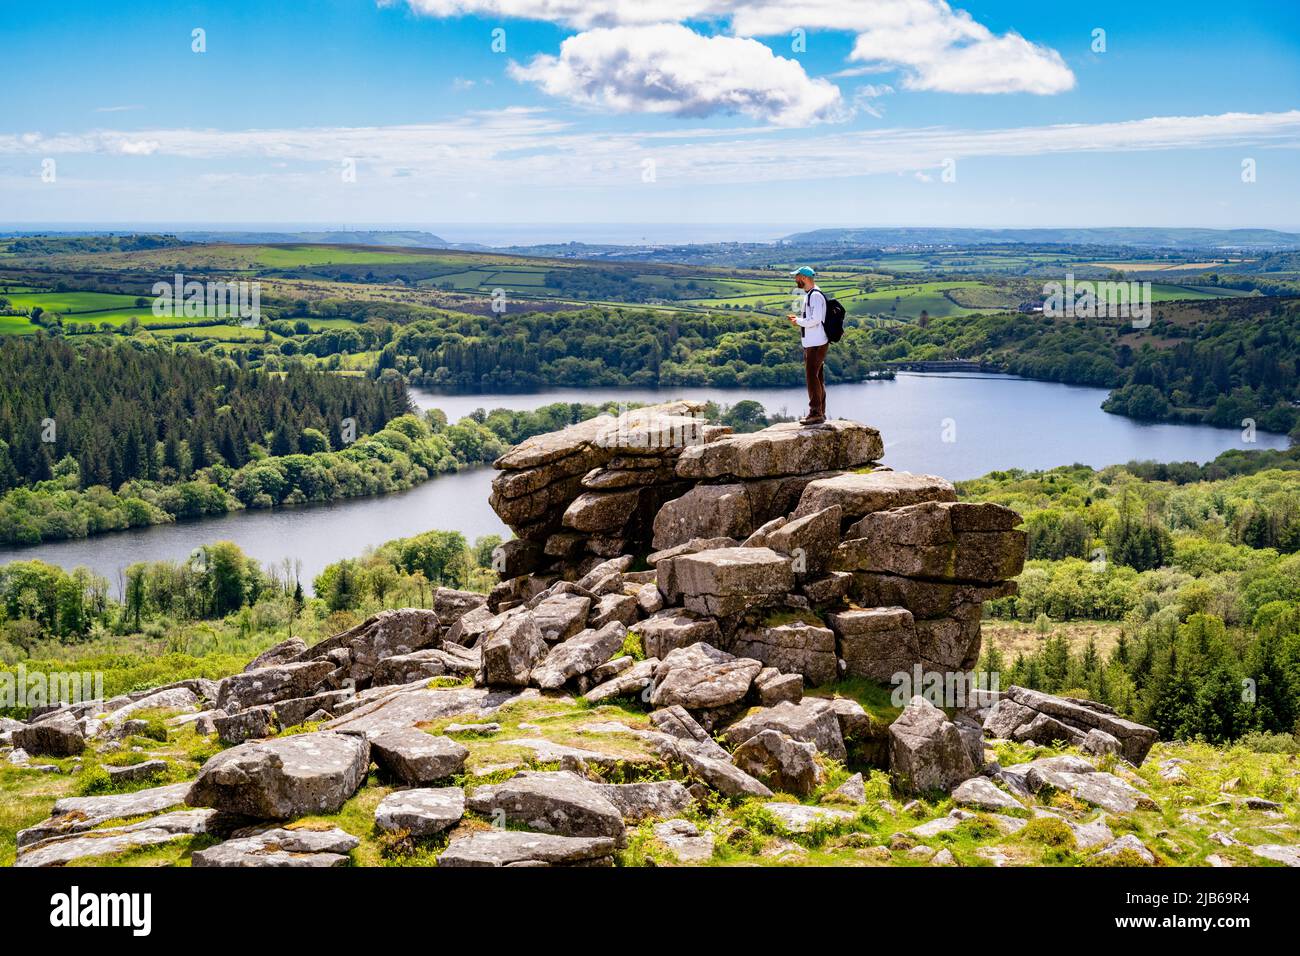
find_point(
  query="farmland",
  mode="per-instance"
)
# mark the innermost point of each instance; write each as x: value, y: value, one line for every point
x: 881, y: 287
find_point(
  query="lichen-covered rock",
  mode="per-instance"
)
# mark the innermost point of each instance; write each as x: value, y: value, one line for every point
x: 783, y: 449
x: 270, y: 684
x: 729, y: 581
x: 518, y: 848
x: 938, y: 541
x: 650, y: 800
x: 511, y: 652
x: 773, y: 687
x: 672, y: 628
x: 421, y: 812
x: 783, y: 763
x: 561, y: 616
x: 860, y: 494
x: 1020, y: 707
x: 706, y: 511
x: 810, y: 540
x: 629, y: 682
x: 983, y: 794
x: 283, y: 778
x: 290, y: 713
x: 926, y: 751
x: 386, y: 634
x: 701, y: 676
x: 556, y: 802
x: 615, y: 609
x: 810, y: 721
x: 415, y: 757
x: 281, y: 653
x: 251, y: 724
x: 279, y: 847
x: 57, y: 736
x: 594, y: 511
x: 875, y: 642
x: 793, y: 648
x: 685, y: 840
x: 578, y: 655
x: 925, y: 599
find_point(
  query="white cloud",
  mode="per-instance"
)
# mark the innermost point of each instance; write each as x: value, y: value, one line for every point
x: 667, y: 68
x: 933, y: 46
x: 519, y: 148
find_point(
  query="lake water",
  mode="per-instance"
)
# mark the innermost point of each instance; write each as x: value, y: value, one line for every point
x: 989, y: 421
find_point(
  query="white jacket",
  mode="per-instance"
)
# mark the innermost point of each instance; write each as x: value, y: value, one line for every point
x: 813, y: 320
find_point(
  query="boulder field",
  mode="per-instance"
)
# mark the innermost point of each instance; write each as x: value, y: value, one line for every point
x: 721, y: 586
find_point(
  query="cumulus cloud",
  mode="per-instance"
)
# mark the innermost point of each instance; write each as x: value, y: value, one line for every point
x: 931, y: 45
x: 668, y: 68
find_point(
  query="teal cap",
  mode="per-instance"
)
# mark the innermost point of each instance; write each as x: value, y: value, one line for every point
x: 804, y: 271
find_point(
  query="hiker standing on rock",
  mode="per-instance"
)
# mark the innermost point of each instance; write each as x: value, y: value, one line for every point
x: 812, y: 324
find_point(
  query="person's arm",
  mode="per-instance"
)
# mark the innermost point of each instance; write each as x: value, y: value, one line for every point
x: 815, y: 312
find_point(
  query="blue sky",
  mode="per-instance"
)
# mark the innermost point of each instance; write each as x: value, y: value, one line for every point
x: 893, y: 112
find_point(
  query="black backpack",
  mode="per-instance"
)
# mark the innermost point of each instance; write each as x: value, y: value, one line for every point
x: 834, y: 322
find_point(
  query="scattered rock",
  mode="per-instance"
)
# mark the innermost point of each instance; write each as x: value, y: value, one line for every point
x: 267, y: 685
x: 926, y: 751
x: 511, y: 653
x: 134, y: 773
x: 852, y: 791
x: 982, y: 793
x: 685, y: 841
x: 774, y: 687
x: 701, y: 676
x: 810, y: 721
x: 553, y: 802
x: 280, y: 847
x: 1128, y: 842
x: 631, y: 682
x: 281, y: 653
x: 72, y: 815
x: 58, y: 736
x: 284, y: 778
x: 1020, y: 706
x: 421, y: 813
x: 255, y: 722
x: 781, y: 762
x: 579, y: 654
x: 518, y: 848
x: 1279, y: 853
x: 415, y: 757
x: 651, y: 800
x: 798, y: 818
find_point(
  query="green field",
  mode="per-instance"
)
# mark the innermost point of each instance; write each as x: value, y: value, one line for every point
x: 66, y: 303
x: 15, y: 325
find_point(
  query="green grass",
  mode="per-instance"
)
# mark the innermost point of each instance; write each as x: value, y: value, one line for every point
x: 16, y: 325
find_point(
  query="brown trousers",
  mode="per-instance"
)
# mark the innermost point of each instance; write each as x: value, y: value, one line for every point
x: 814, y: 360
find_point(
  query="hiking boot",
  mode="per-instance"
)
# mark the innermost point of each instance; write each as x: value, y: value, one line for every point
x: 813, y: 420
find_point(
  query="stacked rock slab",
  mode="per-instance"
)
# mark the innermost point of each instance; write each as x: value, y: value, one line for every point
x: 743, y: 482
x: 591, y: 490
x: 784, y: 558
x: 938, y: 560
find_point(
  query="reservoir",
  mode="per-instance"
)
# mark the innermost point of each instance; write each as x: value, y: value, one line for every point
x: 955, y: 425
